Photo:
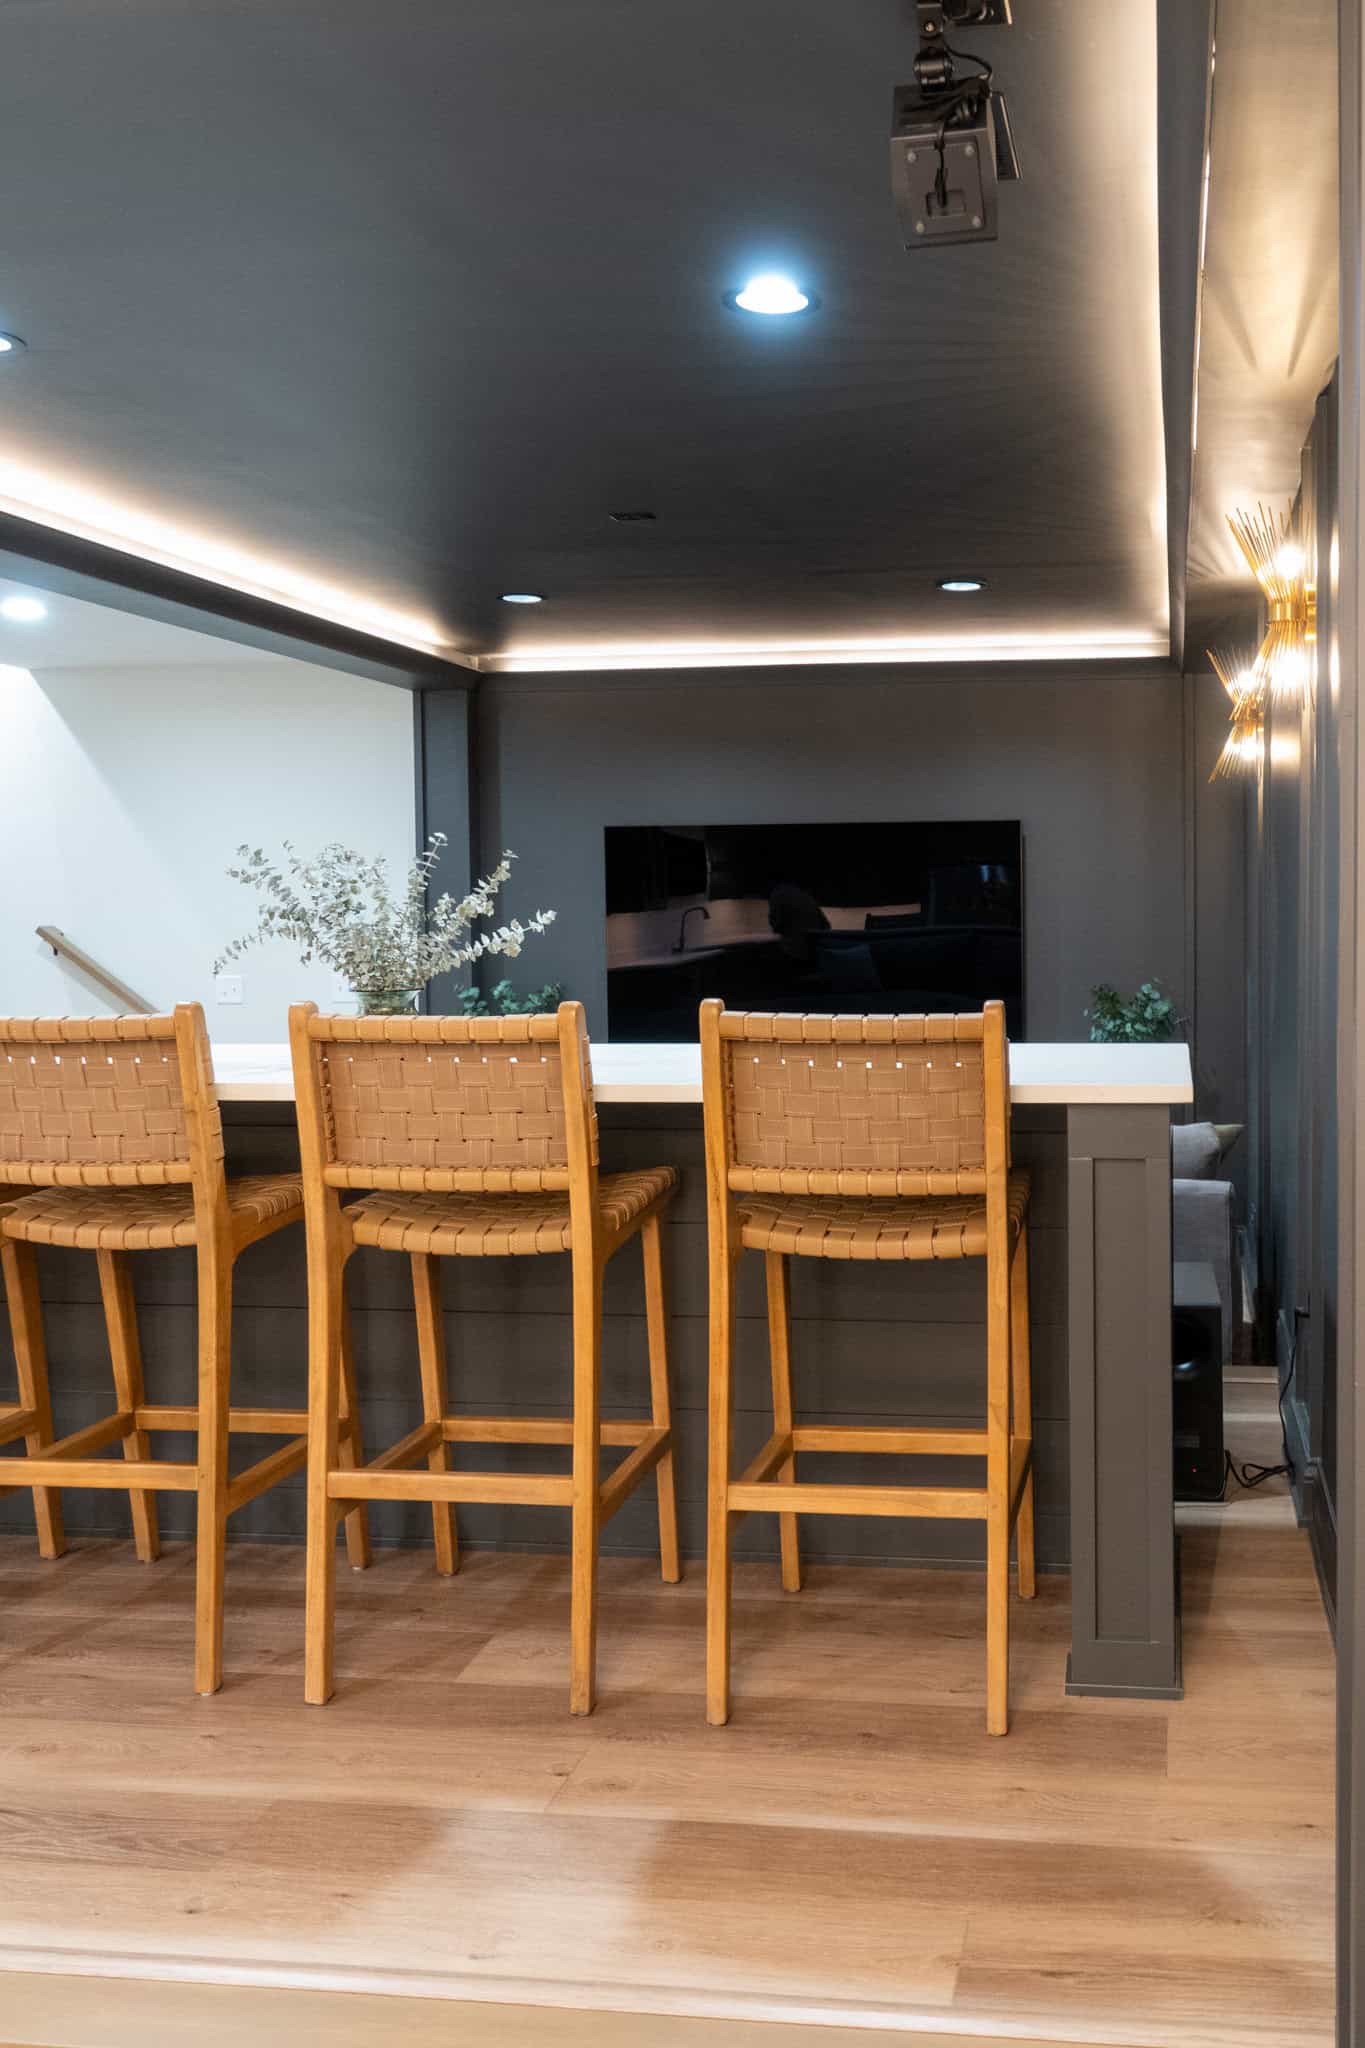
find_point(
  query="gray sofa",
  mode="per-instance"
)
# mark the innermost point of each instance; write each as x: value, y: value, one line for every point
x: 1201, y: 1209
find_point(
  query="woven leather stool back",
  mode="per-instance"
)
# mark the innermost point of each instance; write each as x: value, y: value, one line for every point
x: 479, y: 1104
x: 891, y: 1106
x: 102, y: 1101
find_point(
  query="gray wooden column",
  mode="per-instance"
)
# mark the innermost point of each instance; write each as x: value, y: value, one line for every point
x: 446, y: 801
x: 1125, y: 1637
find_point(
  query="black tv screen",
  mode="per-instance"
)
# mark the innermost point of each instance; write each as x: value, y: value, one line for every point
x: 871, y: 918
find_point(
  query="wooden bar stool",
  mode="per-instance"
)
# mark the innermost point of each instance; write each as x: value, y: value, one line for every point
x: 30, y: 1417
x: 480, y: 1138
x: 866, y: 1138
x: 116, y: 1121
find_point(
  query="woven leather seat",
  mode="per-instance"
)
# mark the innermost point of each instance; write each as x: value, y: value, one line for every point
x: 929, y: 1227
x: 499, y: 1226
x: 146, y: 1219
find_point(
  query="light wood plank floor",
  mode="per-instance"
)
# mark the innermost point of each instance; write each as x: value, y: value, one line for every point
x: 853, y: 1851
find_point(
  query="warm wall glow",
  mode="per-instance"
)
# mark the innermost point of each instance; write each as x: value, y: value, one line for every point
x: 1045, y: 647
x: 70, y: 508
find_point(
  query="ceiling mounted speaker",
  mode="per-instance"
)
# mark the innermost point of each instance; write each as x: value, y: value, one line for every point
x: 951, y: 141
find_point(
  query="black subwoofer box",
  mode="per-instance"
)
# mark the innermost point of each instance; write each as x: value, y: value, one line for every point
x: 1197, y: 1383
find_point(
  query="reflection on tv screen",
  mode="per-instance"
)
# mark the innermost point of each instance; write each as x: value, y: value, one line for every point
x: 863, y: 918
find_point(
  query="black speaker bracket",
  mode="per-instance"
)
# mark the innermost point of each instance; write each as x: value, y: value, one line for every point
x: 938, y: 18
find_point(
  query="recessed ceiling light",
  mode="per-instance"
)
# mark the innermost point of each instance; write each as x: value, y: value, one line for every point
x: 10, y: 344
x: 522, y: 597
x: 961, y: 586
x: 25, y: 611
x: 771, y: 294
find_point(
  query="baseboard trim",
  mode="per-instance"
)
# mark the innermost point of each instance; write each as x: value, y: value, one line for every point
x: 60, y: 1999
x: 1320, y: 1521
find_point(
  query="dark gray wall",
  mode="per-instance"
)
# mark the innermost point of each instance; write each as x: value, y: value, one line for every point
x: 1295, y: 891
x: 1126, y: 848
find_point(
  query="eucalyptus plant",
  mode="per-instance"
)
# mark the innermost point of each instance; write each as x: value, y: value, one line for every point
x: 339, y: 908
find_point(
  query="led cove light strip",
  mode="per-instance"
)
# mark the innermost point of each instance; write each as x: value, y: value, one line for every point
x: 68, y: 508
x: 1131, y: 646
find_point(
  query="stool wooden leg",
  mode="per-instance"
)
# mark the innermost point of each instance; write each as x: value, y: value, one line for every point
x: 780, y: 1353
x: 20, y: 1269
x: 431, y: 1350
x: 997, y: 1493
x: 215, y: 1395
x: 718, y: 1570
x: 651, y: 1245
x: 326, y: 1314
x: 1023, y: 1410
x: 587, y: 1459
x: 351, y: 1450
x: 120, y: 1320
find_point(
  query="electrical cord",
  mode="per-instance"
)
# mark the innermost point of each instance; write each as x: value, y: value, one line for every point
x: 963, y: 92
x: 962, y: 97
x: 1249, y: 1475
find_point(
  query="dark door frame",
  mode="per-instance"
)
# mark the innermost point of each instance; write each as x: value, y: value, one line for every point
x: 1351, y: 1066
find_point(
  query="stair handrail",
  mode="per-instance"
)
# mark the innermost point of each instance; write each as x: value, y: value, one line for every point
x: 67, y: 949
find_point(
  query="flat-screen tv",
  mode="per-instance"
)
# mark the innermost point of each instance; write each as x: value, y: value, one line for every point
x: 874, y: 918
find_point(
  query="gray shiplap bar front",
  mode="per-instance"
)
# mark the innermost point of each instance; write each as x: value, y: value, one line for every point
x: 869, y: 1345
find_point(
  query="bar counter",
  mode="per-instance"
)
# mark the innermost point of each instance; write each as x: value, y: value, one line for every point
x: 870, y: 1342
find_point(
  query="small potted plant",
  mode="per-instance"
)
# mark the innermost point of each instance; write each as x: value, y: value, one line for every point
x: 502, y: 1000
x: 1145, y: 1018
x: 339, y: 908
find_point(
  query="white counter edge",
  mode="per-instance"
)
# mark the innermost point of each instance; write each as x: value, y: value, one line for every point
x: 1040, y: 1075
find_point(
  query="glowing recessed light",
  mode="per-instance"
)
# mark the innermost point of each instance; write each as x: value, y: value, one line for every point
x: 771, y: 294
x: 25, y: 611
x: 961, y: 586
x: 10, y: 344
x: 522, y: 597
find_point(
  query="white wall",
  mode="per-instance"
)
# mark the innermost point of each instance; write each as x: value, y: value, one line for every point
x: 125, y: 792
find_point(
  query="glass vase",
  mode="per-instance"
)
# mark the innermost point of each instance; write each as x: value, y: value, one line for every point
x: 387, y: 1002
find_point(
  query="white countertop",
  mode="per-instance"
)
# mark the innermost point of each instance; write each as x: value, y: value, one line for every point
x: 1082, y: 1073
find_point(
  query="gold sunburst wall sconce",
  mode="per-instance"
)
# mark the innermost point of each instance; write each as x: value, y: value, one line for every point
x: 1241, y: 676
x: 1278, y: 561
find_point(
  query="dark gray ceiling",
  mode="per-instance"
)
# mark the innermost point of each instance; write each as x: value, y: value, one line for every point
x: 411, y: 294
